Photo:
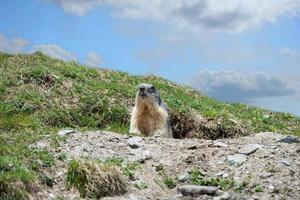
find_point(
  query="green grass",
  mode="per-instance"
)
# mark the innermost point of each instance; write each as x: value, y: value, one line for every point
x: 40, y: 95
x: 258, y: 188
x: 197, y: 177
x: 141, y: 185
x: 169, y: 182
x: 127, y: 168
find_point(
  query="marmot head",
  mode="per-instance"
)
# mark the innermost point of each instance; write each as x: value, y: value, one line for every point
x: 148, y: 93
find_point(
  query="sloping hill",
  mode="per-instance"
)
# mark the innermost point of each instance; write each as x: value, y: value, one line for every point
x: 39, y: 95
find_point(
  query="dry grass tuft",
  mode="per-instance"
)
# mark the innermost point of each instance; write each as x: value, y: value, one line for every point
x: 95, y: 179
x: 16, y: 190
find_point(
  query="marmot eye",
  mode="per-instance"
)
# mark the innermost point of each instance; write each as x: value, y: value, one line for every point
x: 152, y: 89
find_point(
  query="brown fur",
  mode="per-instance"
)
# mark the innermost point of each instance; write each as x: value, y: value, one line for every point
x: 149, y: 118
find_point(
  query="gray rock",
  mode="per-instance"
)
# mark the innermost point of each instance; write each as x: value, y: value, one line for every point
x: 236, y: 159
x: 266, y: 175
x: 289, y: 139
x: 145, y: 155
x: 65, y: 132
x: 196, y: 190
x: 219, y: 144
x: 249, y: 149
x: 225, y: 175
x: 39, y: 145
x: 183, y: 177
x: 225, y: 196
x: 272, y: 147
x: 220, y: 173
x: 286, y: 162
x: 135, y: 142
x: 220, y: 162
x: 271, y: 187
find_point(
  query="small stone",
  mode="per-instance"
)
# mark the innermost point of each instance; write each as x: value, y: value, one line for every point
x: 249, y: 149
x: 135, y: 142
x: 271, y: 187
x: 225, y: 175
x: 132, y: 197
x: 225, y: 196
x: 85, y: 149
x: 65, y: 132
x: 220, y: 173
x: 272, y: 147
x: 236, y: 159
x: 196, y: 190
x: 184, y: 177
x: 286, y: 162
x: 266, y: 175
x: 147, y: 154
x: 193, y: 147
x: 290, y: 139
x: 38, y: 145
x: 219, y: 144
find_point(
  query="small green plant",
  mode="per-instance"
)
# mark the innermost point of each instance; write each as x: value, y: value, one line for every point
x: 62, y: 156
x: 129, y: 169
x: 169, y: 182
x: 60, y: 198
x: 141, y: 185
x: 117, y: 161
x: 272, y: 169
x: 258, y: 188
x: 166, y: 180
x: 159, y: 168
x: 198, y: 177
x: 47, y: 180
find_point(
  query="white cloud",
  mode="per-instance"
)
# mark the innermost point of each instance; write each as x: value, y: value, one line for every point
x: 288, y: 52
x: 233, y: 86
x: 228, y: 15
x: 54, y: 51
x: 93, y: 59
x: 18, y: 45
x: 12, y: 45
x: 78, y: 7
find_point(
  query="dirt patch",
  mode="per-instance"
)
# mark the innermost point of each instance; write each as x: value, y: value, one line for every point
x: 39, y: 78
x: 269, y: 172
x: 195, y: 126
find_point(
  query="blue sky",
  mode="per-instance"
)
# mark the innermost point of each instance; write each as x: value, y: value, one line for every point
x: 234, y: 50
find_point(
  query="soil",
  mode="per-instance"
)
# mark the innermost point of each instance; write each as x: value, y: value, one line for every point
x: 268, y: 164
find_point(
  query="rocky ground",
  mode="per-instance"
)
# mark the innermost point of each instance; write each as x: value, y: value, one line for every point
x: 262, y: 166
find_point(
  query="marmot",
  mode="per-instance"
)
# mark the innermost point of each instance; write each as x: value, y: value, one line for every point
x: 150, y: 116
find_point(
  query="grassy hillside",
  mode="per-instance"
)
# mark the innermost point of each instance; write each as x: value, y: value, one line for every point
x: 39, y: 95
